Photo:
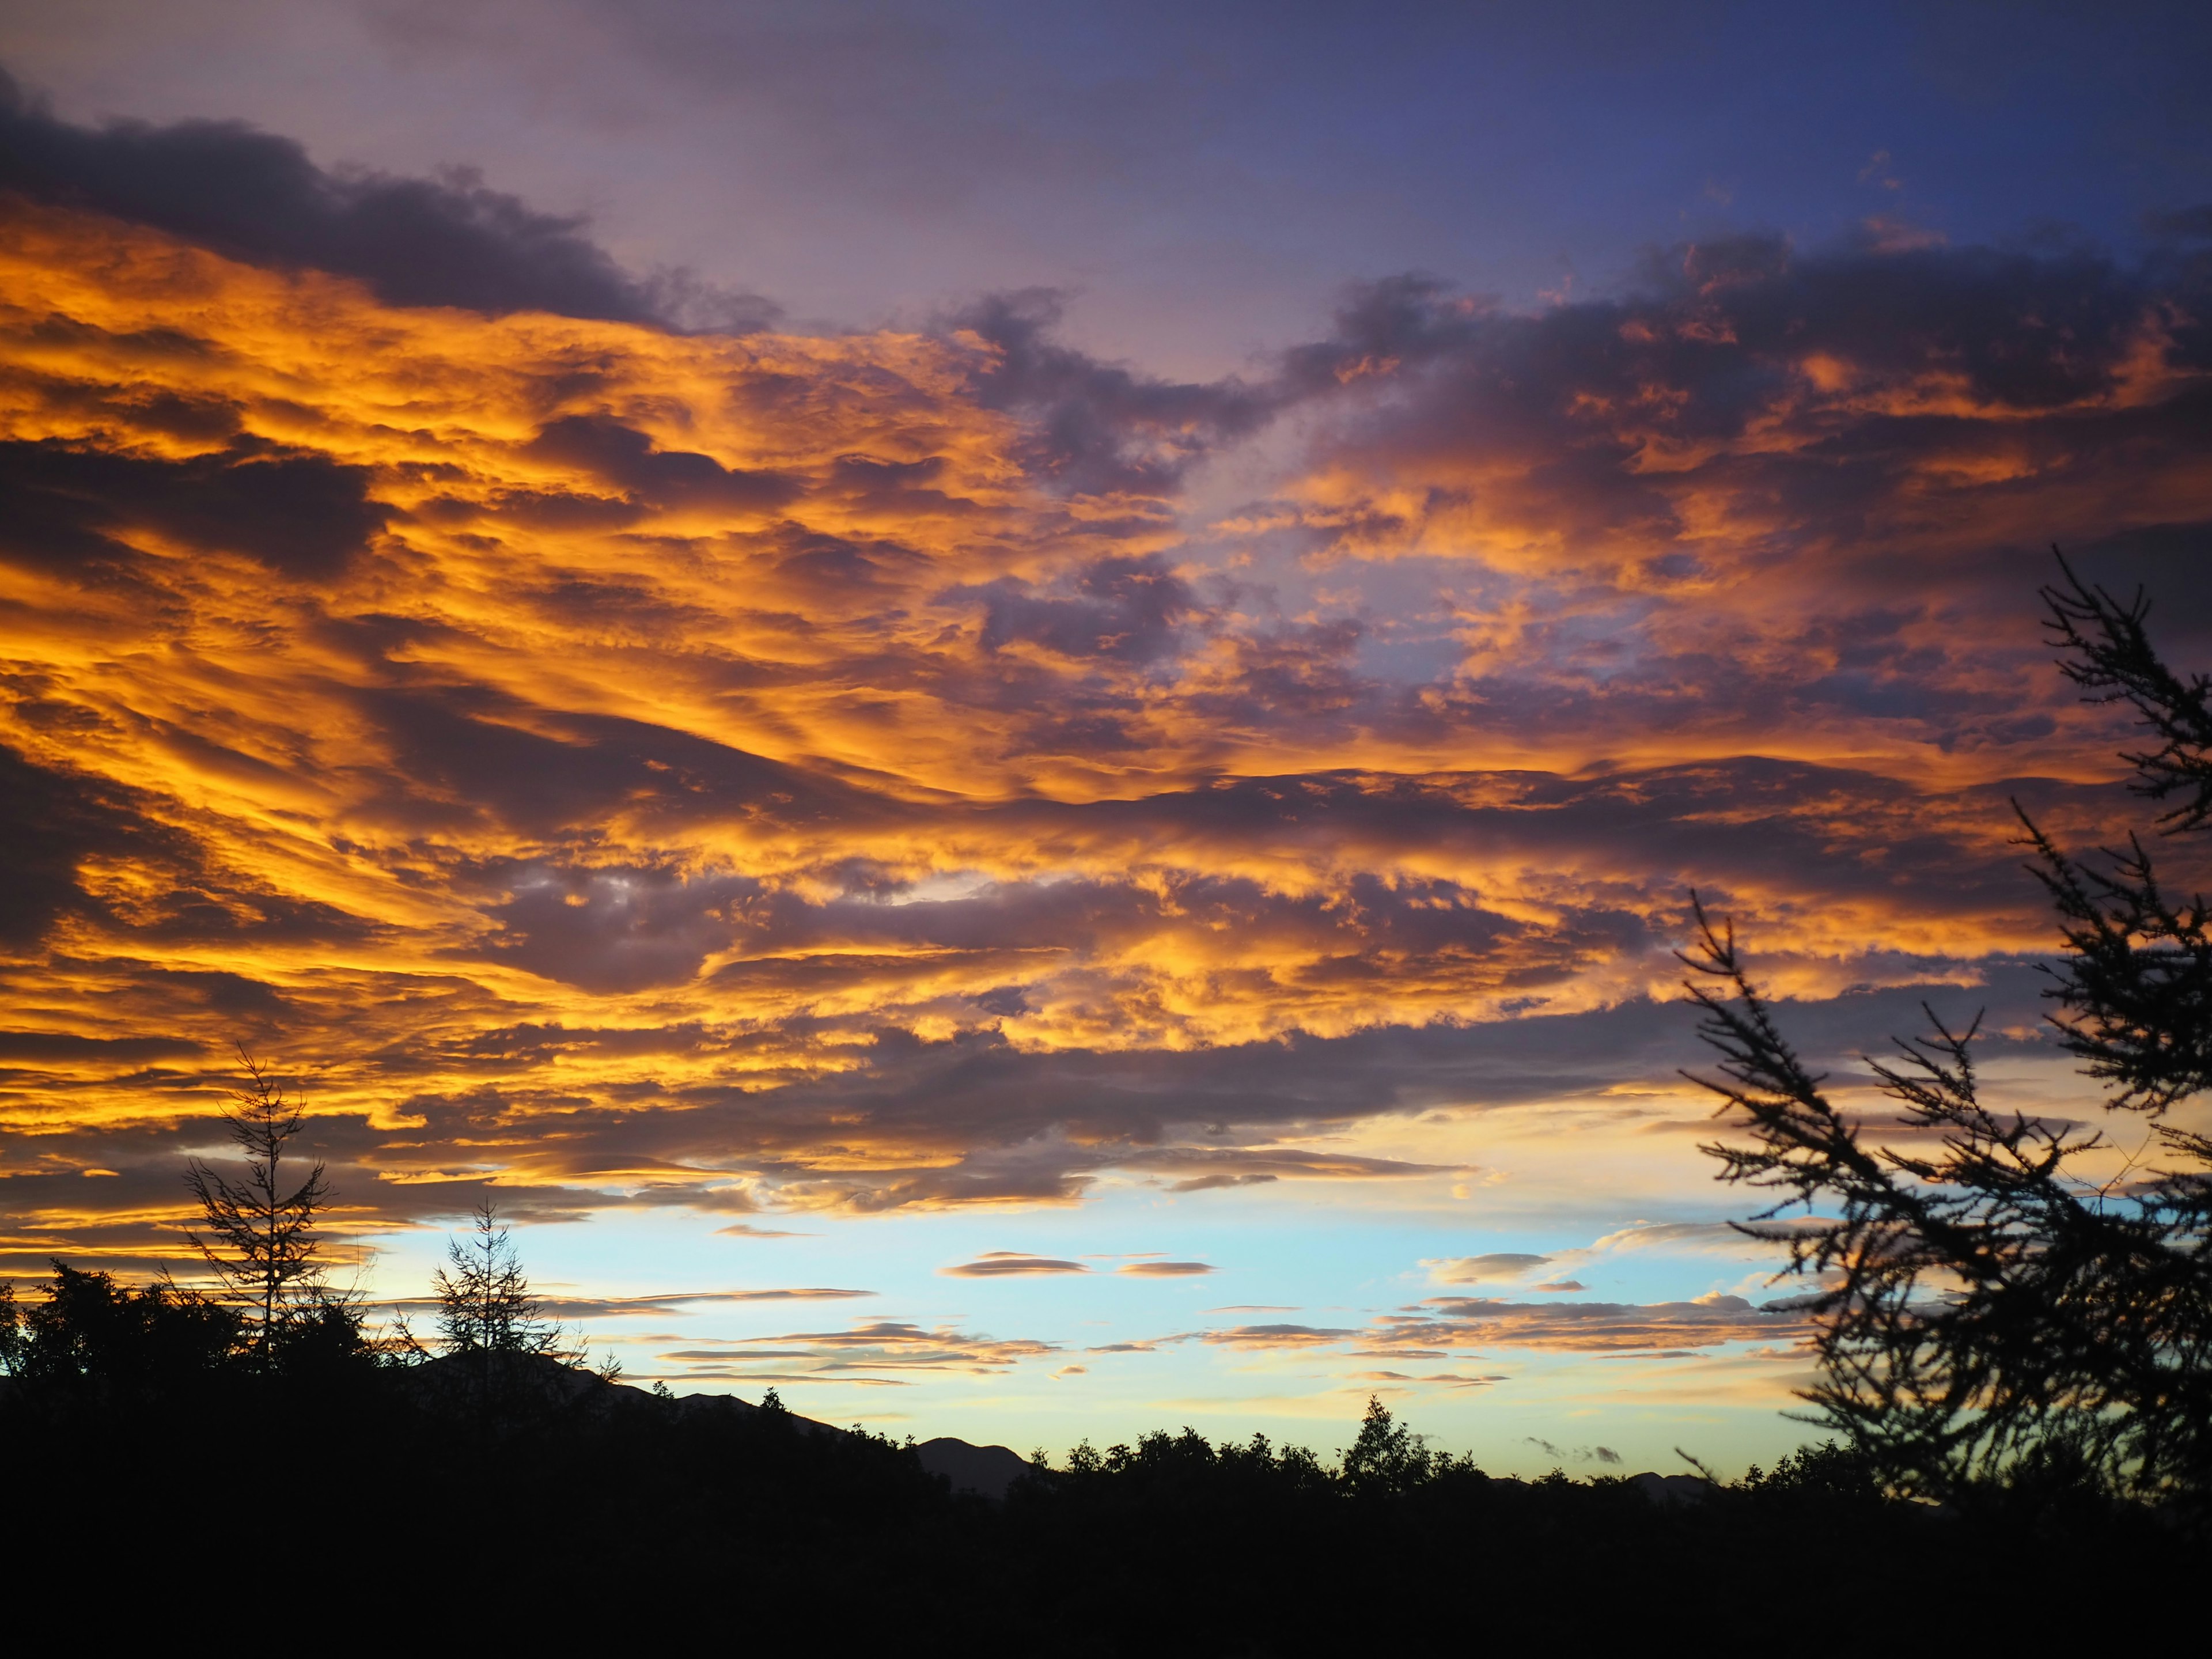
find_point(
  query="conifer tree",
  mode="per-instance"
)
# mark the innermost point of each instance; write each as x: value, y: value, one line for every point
x: 260, y: 1239
x: 2002, y: 1293
x: 485, y: 1301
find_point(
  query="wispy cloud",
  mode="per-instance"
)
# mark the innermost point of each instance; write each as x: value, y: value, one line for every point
x: 863, y: 1353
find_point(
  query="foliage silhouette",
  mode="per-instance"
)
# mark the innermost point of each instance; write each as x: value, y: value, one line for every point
x: 90, y: 1336
x: 1388, y: 1458
x: 484, y: 1300
x: 261, y: 1239
x: 11, y: 1331
x: 1999, y: 1297
x: 842, y: 1540
x: 512, y: 1363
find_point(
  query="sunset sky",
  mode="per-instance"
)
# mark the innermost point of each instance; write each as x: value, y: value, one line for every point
x: 1006, y: 711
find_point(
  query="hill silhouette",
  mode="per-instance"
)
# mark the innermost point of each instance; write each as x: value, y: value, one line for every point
x: 571, y: 1488
x: 537, y: 1386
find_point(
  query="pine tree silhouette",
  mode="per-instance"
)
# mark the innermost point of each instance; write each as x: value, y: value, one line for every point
x: 1988, y: 1303
x: 260, y: 1239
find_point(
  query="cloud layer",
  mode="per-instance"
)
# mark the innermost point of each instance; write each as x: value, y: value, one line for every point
x: 750, y: 772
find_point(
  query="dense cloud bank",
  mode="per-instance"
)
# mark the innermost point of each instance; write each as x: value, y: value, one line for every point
x: 255, y: 196
x: 750, y: 771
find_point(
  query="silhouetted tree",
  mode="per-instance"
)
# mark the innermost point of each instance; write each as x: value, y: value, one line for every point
x: 92, y: 1334
x: 485, y: 1301
x: 261, y: 1239
x: 1988, y: 1303
x: 497, y: 1329
x: 11, y: 1330
x: 1388, y: 1458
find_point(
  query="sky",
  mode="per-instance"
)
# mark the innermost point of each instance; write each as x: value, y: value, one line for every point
x: 1008, y: 713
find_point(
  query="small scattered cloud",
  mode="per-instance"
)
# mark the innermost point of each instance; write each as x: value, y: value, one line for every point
x: 1449, y: 1379
x: 1165, y: 1269
x: 1496, y: 1267
x: 1445, y: 1323
x: 1880, y: 171
x: 1703, y: 1237
x: 1003, y: 1264
x: 807, y: 1293
x: 1205, y: 1168
x: 1273, y: 1336
x: 666, y: 1302
x: 1576, y: 1454
x: 892, y: 1347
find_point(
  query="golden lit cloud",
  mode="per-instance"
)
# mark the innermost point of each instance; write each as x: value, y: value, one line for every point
x: 634, y: 770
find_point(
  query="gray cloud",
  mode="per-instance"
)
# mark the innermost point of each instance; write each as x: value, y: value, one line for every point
x: 256, y: 196
x: 1579, y: 1454
x: 1097, y: 428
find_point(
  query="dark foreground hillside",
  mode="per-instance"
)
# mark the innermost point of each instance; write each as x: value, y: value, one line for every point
x: 524, y: 1502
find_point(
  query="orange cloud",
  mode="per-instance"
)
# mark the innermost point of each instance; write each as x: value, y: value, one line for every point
x: 627, y: 769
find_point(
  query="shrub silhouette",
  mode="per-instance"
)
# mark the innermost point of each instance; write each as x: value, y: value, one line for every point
x: 92, y: 1340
